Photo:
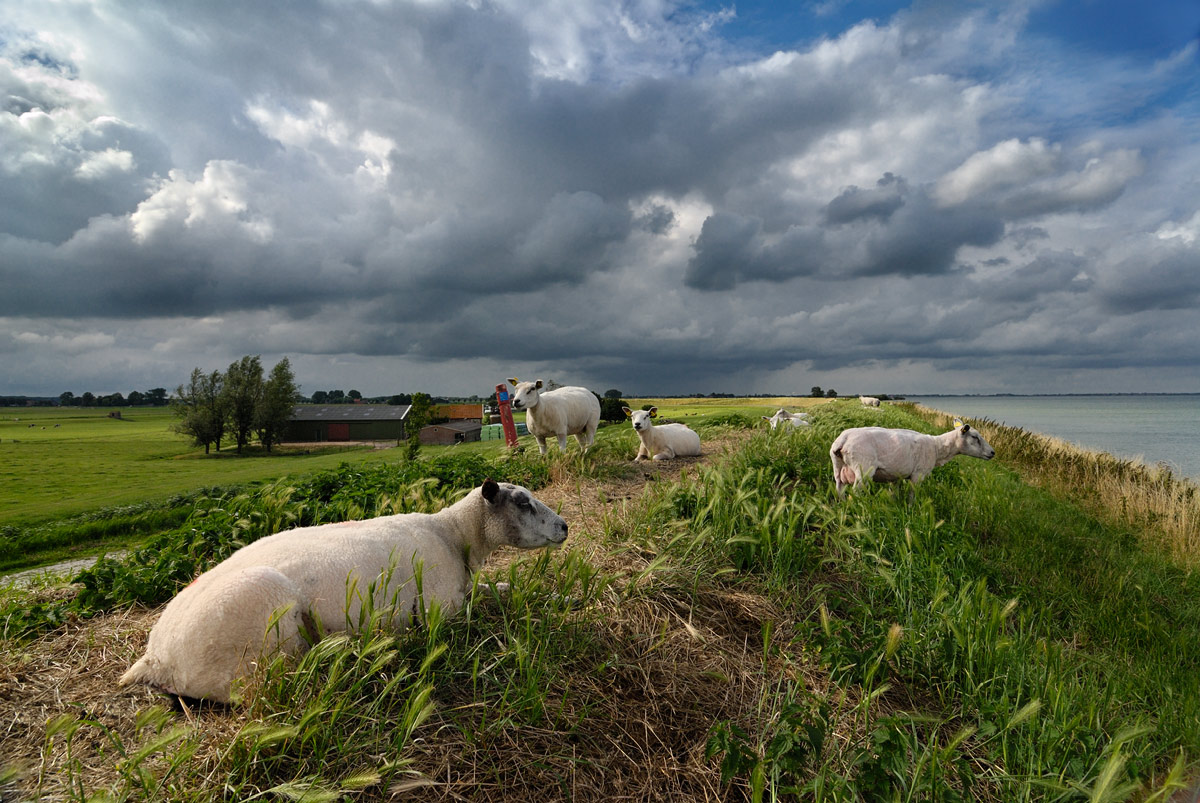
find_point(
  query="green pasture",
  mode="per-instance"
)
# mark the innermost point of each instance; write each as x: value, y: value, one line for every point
x: 57, y: 462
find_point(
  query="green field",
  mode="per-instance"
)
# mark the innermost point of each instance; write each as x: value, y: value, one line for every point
x: 56, y: 463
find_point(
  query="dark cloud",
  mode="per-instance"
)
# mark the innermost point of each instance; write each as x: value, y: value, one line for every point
x: 615, y: 196
x: 880, y: 202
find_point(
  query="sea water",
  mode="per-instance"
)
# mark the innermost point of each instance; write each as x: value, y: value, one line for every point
x: 1155, y: 428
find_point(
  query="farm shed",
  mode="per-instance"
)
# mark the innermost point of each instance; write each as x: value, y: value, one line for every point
x: 451, y: 432
x: 458, y: 412
x: 346, y: 422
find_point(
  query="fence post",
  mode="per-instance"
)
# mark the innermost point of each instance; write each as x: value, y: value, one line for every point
x: 506, y: 419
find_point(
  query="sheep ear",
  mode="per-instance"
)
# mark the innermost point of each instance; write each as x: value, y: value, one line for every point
x: 966, y: 428
x: 491, y: 489
x: 654, y: 412
x: 513, y: 381
x: 628, y: 412
x: 538, y: 384
x: 765, y: 418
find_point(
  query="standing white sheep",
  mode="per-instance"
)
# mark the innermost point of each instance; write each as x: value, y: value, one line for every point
x: 888, y: 455
x: 664, y: 442
x: 868, y: 401
x: 214, y: 632
x: 782, y: 416
x: 557, y: 413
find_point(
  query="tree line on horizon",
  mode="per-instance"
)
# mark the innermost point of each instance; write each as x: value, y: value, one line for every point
x: 238, y: 403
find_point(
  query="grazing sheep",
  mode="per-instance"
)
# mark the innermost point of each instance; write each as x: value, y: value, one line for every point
x: 869, y: 401
x: 557, y: 413
x: 794, y: 419
x: 664, y: 442
x: 211, y: 635
x: 888, y: 455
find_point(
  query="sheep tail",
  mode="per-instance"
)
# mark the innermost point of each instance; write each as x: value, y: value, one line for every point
x: 138, y: 673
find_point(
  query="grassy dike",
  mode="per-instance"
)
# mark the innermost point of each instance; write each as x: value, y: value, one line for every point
x: 725, y: 629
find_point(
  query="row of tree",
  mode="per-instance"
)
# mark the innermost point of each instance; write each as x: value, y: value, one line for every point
x: 239, y: 403
x: 155, y: 397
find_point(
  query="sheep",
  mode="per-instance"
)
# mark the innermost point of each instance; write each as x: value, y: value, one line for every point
x: 869, y: 401
x: 782, y: 415
x: 557, y: 413
x: 664, y: 442
x: 268, y: 596
x: 888, y: 455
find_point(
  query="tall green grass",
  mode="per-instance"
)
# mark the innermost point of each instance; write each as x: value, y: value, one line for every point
x: 983, y: 639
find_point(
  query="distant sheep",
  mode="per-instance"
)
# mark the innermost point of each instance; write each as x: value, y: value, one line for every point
x: 869, y: 401
x: 665, y: 442
x: 212, y: 634
x: 782, y: 416
x: 888, y: 455
x: 557, y: 413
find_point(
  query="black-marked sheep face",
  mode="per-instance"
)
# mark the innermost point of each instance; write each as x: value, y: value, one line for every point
x: 525, y: 394
x: 971, y: 443
x: 518, y: 518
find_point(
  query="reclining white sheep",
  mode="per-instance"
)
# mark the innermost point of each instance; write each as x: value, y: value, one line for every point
x: 794, y: 419
x: 665, y: 442
x: 557, y: 413
x: 211, y: 635
x: 888, y: 455
x: 868, y: 401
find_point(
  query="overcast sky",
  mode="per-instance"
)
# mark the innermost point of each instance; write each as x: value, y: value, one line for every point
x: 654, y: 196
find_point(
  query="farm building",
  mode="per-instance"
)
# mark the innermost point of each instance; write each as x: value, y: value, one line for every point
x: 347, y: 422
x: 457, y: 412
x: 451, y: 432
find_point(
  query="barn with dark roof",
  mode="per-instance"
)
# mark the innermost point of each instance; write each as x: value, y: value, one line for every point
x: 347, y: 422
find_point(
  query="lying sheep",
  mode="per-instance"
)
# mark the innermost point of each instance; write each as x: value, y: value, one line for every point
x: 665, y: 442
x: 211, y: 635
x: 794, y: 419
x: 557, y: 413
x: 868, y: 401
x: 888, y: 455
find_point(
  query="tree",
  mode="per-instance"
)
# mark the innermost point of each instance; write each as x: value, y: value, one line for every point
x: 400, y: 399
x: 243, y: 392
x: 831, y: 394
x: 274, y: 410
x: 89, y: 398
x: 817, y: 392
x: 611, y: 408
x: 355, y: 395
x: 198, y: 405
x: 612, y: 393
x: 415, y: 421
x: 135, y: 398
x: 336, y: 397
x: 320, y: 397
x: 66, y: 398
x: 157, y: 396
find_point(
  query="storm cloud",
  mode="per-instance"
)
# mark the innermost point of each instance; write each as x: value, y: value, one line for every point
x: 420, y: 195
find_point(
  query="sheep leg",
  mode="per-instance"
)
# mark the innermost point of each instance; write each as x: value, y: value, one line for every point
x: 642, y: 453
x: 562, y: 443
x: 666, y: 454
x: 541, y: 442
